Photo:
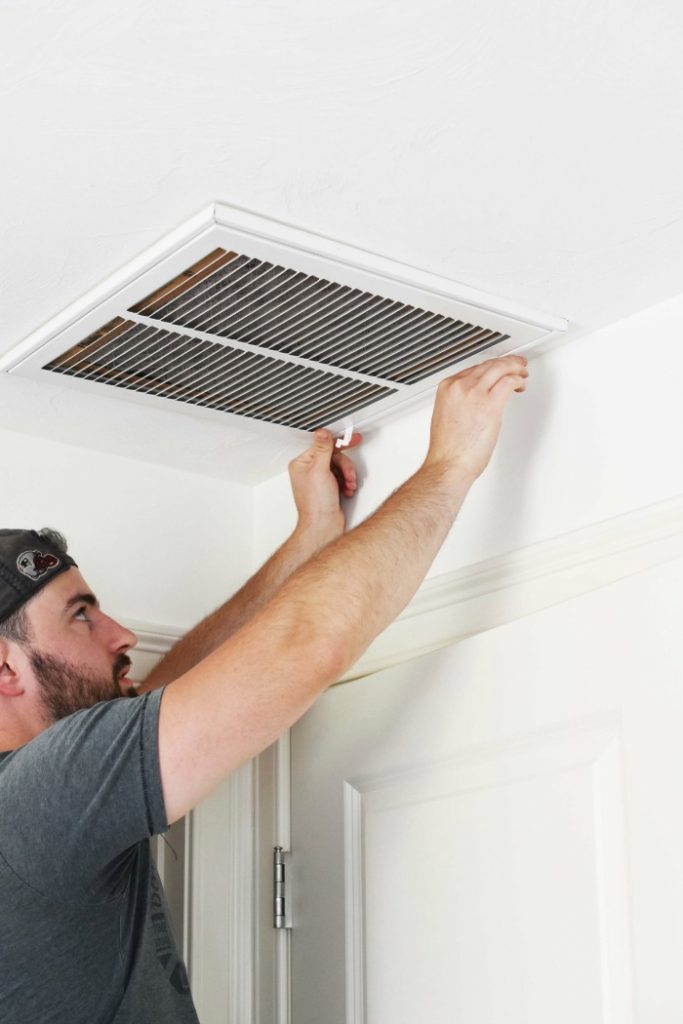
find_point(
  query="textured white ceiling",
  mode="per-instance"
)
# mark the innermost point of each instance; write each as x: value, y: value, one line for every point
x: 533, y: 150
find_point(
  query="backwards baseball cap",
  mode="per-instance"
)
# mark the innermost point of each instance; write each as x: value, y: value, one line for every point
x: 28, y: 560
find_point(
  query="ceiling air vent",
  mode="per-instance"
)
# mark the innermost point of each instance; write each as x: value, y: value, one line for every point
x: 235, y: 315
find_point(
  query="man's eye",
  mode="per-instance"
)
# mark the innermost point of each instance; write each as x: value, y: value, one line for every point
x: 82, y: 614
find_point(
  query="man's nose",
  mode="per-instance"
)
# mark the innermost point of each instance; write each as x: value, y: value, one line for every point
x: 121, y: 639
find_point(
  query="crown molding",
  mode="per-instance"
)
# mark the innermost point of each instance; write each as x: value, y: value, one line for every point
x: 154, y: 638
x: 455, y: 605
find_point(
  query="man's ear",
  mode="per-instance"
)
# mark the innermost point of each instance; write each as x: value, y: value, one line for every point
x: 10, y: 684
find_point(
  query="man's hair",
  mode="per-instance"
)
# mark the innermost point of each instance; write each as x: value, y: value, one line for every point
x: 57, y: 539
x: 16, y: 626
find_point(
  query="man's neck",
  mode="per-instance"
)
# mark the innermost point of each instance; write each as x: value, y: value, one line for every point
x: 11, y: 740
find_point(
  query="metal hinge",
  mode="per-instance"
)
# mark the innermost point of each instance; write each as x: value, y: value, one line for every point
x: 281, y: 915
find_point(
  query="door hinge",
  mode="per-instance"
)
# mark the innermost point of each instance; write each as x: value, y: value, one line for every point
x: 281, y: 896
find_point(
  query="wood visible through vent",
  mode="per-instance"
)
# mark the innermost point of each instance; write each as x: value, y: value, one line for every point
x: 190, y: 277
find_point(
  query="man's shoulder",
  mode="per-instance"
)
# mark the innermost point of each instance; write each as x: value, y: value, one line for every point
x: 86, y: 732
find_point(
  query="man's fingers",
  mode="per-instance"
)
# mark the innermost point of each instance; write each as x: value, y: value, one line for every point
x: 502, y: 364
x: 502, y: 390
x: 355, y: 439
x: 320, y: 449
x: 323, y: 441
x: 345, y: 472
x: 344, y: 468
x: 501, y: 368
x: 323, y: 454
x: 339, y: 477
x: 323, y: 449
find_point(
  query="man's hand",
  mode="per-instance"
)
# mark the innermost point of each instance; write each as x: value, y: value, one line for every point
x: 319, y: 477
x: 468, y: 412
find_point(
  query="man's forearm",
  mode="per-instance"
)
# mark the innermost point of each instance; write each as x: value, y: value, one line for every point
x: 212, y: 631
x: 352, y: 591
x: 358, y: 584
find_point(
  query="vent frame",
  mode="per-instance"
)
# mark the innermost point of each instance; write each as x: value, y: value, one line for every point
x: 232, y: 229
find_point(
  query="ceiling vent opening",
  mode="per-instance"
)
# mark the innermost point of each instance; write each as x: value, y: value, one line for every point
x: 234, y: 315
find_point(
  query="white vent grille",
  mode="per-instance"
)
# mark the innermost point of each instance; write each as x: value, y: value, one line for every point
x: 300, y: 343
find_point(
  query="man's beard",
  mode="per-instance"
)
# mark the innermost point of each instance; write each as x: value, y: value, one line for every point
x: 65, y: 688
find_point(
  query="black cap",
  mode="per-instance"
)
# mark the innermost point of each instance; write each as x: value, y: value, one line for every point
x: 28, y: 560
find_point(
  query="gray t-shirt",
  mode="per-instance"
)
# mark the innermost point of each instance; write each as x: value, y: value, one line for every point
x: 85, y: 936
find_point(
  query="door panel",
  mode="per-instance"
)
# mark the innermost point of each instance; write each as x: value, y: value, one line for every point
x: 491, y: 833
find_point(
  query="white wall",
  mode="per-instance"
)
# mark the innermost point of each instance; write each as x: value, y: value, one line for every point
x: 157, y: 545
x: 597, y: 433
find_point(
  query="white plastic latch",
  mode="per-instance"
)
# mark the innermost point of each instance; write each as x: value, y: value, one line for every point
x: 343, y: 442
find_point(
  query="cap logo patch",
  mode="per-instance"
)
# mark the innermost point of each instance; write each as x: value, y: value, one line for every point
x: 35, y: 564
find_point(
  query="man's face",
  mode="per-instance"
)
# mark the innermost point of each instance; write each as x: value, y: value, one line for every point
x: 76, y: 653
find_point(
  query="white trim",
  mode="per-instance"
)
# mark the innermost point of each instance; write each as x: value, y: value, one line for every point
x: 154, y: 639
x: 354, y: 905
x: 188, y: 896
x: 283, y: 805
x: 241, y: 924
x: 283, y: 818
x: 223, y: 961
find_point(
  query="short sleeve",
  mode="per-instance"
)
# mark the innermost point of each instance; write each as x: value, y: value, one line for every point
x: 76, y: 799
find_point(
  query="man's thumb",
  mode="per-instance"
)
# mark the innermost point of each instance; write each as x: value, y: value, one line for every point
x: 323, y: 441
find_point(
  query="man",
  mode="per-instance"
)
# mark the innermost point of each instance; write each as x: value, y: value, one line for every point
x: 86, y: 778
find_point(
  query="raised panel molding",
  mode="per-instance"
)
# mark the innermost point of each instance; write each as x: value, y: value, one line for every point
x: 587, y: 755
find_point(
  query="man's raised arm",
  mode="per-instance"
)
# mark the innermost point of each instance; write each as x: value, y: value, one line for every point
x: 319, y: 477
x: 240, y: 698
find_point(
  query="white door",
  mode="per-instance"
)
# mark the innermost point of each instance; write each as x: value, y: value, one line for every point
x: 493, y: 833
